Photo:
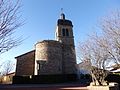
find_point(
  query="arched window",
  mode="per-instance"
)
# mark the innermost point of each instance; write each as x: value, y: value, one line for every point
x: 67, y: 33
x: 63, y: 32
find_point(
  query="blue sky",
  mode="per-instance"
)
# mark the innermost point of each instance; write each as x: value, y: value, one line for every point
x: 41, y: 16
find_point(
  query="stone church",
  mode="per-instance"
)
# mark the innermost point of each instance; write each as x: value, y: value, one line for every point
x: 51, y: 57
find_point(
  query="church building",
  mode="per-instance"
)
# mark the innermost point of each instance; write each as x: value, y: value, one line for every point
x: 51, y: 57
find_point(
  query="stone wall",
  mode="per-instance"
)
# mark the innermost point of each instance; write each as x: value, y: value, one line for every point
x: 49, y: 56
x: 68, y: 47
x: 25, y: 64
x: 69, y: 60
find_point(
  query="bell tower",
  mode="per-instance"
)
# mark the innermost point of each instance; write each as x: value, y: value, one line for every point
x: 64, y: 34
x: 64, y: 31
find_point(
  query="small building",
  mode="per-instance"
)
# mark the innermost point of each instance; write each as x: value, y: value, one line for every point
x: 7, y: 79
x: 84, y: 67
x: 115, y: 69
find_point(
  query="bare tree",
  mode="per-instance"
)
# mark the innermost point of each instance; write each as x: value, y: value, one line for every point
x: 111, y: 29
x: 9, y: 22
x: 96, y: 55
x: 7, y: 67
x: 102, y: 51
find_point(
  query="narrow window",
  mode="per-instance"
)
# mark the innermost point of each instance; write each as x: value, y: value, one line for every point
x: 63, y: 32
x: 67, y: 33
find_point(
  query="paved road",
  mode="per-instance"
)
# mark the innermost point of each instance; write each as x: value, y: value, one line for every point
x: 47, y: 88
x: 43, y: 87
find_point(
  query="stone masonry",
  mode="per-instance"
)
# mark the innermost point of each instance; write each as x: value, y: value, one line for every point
x: 25, y: 64
x: 51, y: 57
x: 48, y: 57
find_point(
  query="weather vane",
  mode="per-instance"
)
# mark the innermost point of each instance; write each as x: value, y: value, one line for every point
x: 61, y: 10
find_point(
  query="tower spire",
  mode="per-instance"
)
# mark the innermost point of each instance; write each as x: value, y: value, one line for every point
x: 62, y: 16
